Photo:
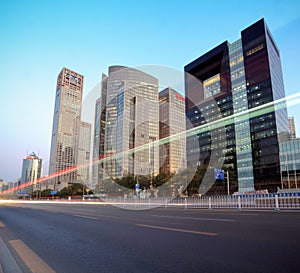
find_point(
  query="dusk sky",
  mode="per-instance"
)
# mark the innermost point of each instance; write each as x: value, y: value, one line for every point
x: 39, y: 38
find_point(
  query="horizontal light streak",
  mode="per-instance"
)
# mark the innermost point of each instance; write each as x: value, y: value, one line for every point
x: 244, y: 115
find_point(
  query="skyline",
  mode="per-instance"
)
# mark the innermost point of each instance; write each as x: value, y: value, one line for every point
x: 32, y: 55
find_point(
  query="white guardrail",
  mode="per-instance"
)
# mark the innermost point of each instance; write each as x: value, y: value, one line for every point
x: 259, y: 201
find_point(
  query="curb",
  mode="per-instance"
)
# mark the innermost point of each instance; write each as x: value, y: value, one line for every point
x: 7, y: 262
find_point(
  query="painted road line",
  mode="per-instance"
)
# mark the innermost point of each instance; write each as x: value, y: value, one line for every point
x: 179, y: 230
x: 83, y: 216
x: 2, y: 224
x: 32, y: 261
x: 194, y: 218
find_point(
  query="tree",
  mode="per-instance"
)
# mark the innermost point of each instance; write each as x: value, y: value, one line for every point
x: 126, y: 181
x: 73, y: 189
x: 46, y: 193
x: 161, y: 179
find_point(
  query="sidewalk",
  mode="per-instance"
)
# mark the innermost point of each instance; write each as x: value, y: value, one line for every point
x: 7, y: 262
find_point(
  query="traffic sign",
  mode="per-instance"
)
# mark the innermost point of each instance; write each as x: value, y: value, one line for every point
x: 219, y: 174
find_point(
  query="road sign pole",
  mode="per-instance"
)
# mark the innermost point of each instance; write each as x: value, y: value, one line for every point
x: 227, y: 178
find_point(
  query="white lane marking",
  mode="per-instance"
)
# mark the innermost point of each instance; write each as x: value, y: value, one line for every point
x: 83, y: 216
x: 179, y: 230
x: 194, y: 218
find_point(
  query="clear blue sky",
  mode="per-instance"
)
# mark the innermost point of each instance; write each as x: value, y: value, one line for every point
x: 38, y: 38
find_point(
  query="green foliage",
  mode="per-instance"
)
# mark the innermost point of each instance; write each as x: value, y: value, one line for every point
x: 144, y: 181
x: 73, y: 189
x: 161, y: 179
x: 126, y: 181
x: 46, y: 193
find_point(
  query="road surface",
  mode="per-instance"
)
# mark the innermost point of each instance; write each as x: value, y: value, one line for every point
x: 96, y: 238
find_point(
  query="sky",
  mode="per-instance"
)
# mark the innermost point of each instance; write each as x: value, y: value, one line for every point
x: 39, y: 38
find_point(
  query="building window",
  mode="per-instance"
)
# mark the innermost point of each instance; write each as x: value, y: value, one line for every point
x: 255, y: 49
x: 212, y: 86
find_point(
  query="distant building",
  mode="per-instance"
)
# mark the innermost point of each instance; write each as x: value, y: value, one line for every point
x: 84, y: 152
x: 2, y: 185
x: 65, y: 130
x: 31, y: 170
x: 172, y: 122
x: 292, y: 128
x: 237, y: 78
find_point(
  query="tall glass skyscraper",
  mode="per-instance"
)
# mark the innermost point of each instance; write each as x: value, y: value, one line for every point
x: 65, y: 130
x: 172, y: 155
x: 240, y: 78
x: 31, y: 170
x: 126, y: 117
x: 84, y: 152
x: 136, y: 124
x: 99, y: 135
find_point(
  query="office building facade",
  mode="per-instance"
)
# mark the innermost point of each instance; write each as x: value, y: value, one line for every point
x: 137, y: 124
x: 239, y: 78
x: 31, y: 170
x: 122, y: 124
x: 290, y: 164
x: 172, y: 154
x: 65, y: 130
x: 84, y: 153
x: 99, y: 136
x: 292, y: 128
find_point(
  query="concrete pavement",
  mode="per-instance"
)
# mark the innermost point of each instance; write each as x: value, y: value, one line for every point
x: 8, y: 263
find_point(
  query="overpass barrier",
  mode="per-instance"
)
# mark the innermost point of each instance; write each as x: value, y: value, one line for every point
x: 258, y: 201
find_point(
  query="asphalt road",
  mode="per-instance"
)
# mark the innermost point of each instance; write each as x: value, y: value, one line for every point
x: 88, y: 238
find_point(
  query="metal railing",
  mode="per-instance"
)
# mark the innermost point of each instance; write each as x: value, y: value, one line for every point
x: 258, y: 201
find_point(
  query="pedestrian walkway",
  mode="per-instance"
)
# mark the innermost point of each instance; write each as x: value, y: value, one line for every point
x: 7, y: 262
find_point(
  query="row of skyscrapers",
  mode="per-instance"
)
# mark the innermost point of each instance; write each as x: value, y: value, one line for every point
x: 228, y: 120
x: 131, y: 115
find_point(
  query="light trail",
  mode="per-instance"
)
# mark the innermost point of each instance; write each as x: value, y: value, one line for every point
x: 243, y: 115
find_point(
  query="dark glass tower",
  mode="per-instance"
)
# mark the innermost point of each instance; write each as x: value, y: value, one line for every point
x: 237, y: 79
